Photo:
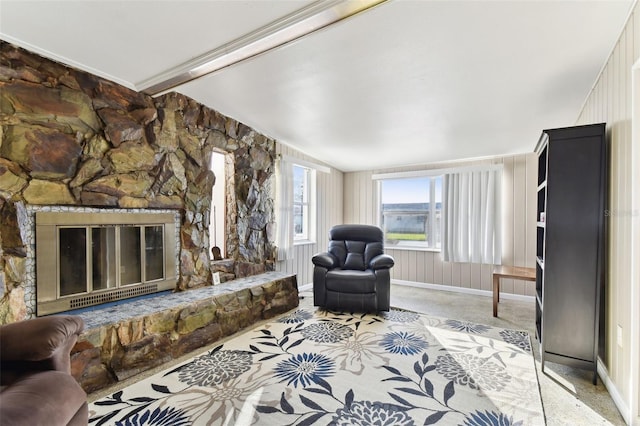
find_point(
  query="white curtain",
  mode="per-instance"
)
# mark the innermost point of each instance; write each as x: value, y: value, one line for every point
x: 284, y: 209
x: 471, y: 216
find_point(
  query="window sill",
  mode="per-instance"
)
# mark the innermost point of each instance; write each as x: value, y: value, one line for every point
x: 303, y: 242
x: 407, y: 248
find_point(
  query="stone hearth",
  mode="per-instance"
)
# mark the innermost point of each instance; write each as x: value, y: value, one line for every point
x: 128, y: 337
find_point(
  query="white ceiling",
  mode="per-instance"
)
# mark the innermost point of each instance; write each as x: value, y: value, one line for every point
x: 407, y: 82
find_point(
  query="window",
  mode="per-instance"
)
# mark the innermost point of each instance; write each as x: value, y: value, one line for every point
x: 295, y: 203
x: 303, y: 196
x: 218, y: 207
x: 411, y: 211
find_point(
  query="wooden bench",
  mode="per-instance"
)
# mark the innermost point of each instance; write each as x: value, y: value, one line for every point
x: 515, y: 272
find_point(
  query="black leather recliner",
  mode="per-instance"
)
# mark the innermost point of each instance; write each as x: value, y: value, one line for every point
x: 354, y: 274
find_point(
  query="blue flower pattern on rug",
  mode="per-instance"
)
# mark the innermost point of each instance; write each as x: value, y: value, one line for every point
x: 490, y: 418
x: 403, y: 343
x: 305, y: 369
x: 321, y: 367
x: 167, y: 417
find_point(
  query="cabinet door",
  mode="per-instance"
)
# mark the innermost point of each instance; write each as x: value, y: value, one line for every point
x: 573, y: 217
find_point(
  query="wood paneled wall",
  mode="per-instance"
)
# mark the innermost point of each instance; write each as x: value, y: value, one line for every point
x: 610, y: 101
x: 329, y: 189
x: 518, y: 218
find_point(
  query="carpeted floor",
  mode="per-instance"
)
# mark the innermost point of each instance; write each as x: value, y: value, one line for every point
x: 318, y: 367
x: 568, y: 396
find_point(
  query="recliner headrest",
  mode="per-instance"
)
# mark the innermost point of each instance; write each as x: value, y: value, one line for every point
x: 366, y: 233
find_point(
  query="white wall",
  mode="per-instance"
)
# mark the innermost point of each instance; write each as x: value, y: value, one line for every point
x: 519, y: 192
x: 610, y: 102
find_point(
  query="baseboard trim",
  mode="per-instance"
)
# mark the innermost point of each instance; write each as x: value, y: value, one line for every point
x: 441, y: 287
x: 465, y: 290
x: 305, y: 287
x: 618, y: 400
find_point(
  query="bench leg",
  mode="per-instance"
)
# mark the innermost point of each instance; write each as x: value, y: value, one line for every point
x: 496, y: 294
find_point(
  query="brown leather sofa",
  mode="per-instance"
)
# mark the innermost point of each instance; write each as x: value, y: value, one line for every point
x: 35, y: 373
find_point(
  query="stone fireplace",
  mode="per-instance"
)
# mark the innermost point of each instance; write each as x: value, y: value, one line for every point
x: 71, y: 140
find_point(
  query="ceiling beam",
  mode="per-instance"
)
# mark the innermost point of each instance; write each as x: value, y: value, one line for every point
x: 294, y: 26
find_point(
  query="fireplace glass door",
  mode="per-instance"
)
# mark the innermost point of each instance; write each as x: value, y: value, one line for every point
x: 103, y: 256
x: 73, y: 261
x: 130, y: 256
x: 137, y: 252
x: 87, y: 258
x: 153, y: 252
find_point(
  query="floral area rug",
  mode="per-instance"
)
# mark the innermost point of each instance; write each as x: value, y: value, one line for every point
x: 318, y: 367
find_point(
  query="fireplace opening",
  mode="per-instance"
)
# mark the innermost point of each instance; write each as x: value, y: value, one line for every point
x: 85, y: 259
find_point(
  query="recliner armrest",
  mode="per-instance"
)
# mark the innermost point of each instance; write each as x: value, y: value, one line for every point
x: 382, y: 261
x: 41, y: 339
x: 326, y: 260
x: 44, y: 398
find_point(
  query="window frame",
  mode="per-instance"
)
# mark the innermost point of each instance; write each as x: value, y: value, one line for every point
x: 308, y: 205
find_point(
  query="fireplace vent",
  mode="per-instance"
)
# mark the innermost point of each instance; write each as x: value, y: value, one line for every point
x: 111, y: 296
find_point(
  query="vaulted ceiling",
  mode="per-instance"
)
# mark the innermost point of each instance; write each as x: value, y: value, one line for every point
x: 404, y: 82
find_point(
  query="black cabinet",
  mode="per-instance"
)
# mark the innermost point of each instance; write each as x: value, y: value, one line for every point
x: 570, y: 273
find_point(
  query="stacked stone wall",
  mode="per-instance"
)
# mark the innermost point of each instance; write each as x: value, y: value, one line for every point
x: 71, y: 138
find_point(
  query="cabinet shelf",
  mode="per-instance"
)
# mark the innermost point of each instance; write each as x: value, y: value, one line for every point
x: 542, y: 186
x: 540, y: 262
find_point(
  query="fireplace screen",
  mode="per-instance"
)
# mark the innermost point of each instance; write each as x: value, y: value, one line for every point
x: 87, y: 259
